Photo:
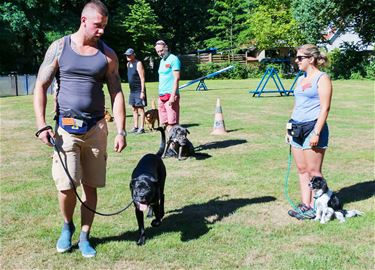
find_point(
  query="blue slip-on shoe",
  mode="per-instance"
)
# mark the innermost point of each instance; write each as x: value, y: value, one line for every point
x: 86, y: 249
x: 65, y: 241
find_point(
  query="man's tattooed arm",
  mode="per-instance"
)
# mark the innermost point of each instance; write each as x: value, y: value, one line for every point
x: 49, y: 66
x: 46, y: 74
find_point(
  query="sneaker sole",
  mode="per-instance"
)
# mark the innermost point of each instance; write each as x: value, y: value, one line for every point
x: 62, y: 250
x: 88, y: 255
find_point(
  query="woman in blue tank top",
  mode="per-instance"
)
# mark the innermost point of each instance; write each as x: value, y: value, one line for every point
x: 311, y: 107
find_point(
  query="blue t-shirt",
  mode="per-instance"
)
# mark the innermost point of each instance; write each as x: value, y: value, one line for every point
x: 166, y: 78
x: 307, y: 101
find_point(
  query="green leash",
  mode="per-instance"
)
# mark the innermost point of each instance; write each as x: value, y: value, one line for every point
x: 286, y: 191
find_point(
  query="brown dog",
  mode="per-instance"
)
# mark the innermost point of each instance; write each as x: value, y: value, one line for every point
x: 108, y: 117
x: 151, y: 116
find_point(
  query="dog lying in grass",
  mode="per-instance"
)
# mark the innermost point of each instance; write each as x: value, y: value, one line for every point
x: 327, y: 204
x: 178, y: 145
x: 147, y: 188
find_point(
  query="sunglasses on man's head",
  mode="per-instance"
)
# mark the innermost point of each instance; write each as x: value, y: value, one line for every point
x: 160, y: 43
x: 301, y: 57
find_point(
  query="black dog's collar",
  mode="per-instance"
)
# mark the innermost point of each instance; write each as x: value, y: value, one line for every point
x: 329, y: 193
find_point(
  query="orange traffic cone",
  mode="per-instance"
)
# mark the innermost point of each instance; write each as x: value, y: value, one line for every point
x: 219, y: 127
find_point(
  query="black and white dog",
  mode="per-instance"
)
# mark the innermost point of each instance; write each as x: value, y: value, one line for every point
x: 147, y: 188
x: 178, y: 145
x: 327, y: 204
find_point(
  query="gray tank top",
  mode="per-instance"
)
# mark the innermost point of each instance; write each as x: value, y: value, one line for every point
x: 133, y: 77
x: 80, y: 79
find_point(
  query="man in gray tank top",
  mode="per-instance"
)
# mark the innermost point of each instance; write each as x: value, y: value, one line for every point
x: 81, y: 63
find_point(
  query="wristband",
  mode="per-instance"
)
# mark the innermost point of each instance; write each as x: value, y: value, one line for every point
x: 122, y: 133
x: 41, y: 130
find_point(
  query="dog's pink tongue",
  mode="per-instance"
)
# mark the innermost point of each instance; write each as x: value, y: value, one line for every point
x: 142, y: 207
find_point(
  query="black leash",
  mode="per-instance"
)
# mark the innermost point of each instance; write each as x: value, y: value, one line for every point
x: 52, y: 141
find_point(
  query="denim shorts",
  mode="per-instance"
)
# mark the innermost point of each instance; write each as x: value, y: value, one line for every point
x: 136, y: 101
x: 305, y: 143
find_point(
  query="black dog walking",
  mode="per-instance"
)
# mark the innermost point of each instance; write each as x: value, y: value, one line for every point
x: 147, y: 188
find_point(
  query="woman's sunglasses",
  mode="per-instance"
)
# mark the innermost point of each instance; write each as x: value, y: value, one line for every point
x: 301, y: 57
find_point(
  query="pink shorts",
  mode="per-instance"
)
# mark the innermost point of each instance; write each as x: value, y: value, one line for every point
x: 169, y: 115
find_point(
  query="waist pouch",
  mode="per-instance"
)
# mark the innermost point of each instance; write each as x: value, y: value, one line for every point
x: 77, y: 126
x: 165, y: 97
x: 300, y: 130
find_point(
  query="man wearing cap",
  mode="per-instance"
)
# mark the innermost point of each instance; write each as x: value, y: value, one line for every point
x: 137, y: 96
x: 169, y: 77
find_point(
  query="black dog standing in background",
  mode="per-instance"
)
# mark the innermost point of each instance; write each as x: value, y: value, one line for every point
x: 147, y: 188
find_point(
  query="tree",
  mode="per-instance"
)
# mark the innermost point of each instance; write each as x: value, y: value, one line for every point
x: 28, y: 27
x: 143, y: 27
x: 315, y: 16
x: 227, y: 21
x: 312, y: 17
x: 184, y: 23
x: 272, y: 25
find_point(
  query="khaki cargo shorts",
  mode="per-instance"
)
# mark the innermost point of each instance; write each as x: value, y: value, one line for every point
x: 84, y: 155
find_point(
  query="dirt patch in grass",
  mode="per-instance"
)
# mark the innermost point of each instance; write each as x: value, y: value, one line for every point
x: 258, y: 257
x: 266, y: 217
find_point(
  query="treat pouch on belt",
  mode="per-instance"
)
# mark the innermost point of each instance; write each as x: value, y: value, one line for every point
x: 77, y: 123
x: 300, y: 130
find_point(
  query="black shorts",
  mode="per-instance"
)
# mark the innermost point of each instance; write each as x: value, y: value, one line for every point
x: 135, y: 101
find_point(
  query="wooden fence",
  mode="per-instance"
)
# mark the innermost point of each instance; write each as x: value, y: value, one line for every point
x: 191, y: 59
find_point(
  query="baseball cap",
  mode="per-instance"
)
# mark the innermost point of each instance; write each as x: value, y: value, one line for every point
x: 129, y: 51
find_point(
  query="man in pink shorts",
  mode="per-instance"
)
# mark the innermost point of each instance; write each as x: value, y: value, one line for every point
x: 169, y: 77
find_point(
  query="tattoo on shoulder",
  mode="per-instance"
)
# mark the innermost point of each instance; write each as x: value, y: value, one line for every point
x: 60, y: 43
x: 48, y: 68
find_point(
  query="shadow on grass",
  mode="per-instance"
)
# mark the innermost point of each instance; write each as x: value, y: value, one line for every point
x: 215, y: 89
x: 219, y: 144
x: 192, y: 221
x: 271, y: 96
x: 189, y: 125
x: 357, y: 192
x: 234, y: 130
x: 212, y: 145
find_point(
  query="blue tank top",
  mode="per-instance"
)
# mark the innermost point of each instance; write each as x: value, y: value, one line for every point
x: 80, y: 79
x: 307, y: 102
x: 133, y: 77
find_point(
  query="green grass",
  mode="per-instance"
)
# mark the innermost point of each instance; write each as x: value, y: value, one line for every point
x: 224, y: 212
